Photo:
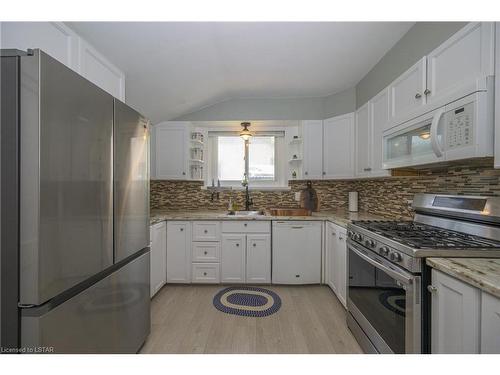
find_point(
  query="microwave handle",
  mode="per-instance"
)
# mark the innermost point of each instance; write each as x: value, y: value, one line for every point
x: 436, y: 147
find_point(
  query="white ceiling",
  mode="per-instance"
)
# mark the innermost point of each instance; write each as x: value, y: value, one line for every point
x: 175, y: 68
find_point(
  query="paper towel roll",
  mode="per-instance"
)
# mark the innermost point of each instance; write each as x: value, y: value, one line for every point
x: 353, y: 201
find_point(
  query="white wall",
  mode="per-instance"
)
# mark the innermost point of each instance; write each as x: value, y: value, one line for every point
x: 65, y: 45
x: 314, y: 108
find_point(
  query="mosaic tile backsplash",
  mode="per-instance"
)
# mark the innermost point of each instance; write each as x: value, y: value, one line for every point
x: 387, y: 196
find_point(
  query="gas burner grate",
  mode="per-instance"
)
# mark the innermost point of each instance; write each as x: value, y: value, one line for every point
x: 422, y: 236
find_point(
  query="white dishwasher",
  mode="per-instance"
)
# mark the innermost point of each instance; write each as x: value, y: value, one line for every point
x: 296, y: 252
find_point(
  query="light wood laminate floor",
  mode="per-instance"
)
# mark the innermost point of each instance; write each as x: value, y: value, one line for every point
x: 311, y: 320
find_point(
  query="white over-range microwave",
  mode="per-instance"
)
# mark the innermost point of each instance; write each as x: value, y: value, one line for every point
x: 461, y: 129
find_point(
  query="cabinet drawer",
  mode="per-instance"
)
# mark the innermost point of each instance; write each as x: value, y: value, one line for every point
x: 246, y: 227
x: 205, y: 273
x: 206, y: 231
x: 206, y: 252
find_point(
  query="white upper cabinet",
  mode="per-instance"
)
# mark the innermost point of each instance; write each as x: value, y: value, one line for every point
x: 312, y: 131
x: 461, y: 60
x: 63, y: 44
x: 170, y: 151
x: 406, y: 93
x: 338, y: 147
x: 379, y: 116
x: 363, y: 163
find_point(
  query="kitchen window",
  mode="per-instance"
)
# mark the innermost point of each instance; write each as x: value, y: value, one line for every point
x: 227, y: 153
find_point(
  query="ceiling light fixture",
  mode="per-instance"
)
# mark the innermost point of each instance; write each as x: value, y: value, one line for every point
x: 245, y: 133
x: 425, y: 135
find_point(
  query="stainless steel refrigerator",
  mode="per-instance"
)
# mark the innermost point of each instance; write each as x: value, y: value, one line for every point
x: 75, y: 212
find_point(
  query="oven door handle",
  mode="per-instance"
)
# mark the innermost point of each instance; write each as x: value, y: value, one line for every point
x: 397, y: 275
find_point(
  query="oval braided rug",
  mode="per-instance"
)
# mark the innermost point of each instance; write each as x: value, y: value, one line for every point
x: 247, y: 301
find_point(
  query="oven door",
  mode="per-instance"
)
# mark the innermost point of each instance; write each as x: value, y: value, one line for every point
x: 385, y: 301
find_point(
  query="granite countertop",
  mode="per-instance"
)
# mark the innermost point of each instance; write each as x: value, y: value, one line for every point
x: 482, y: 273
x: 340, y: 217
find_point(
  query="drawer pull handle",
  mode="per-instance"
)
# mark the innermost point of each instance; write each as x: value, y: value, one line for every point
x: 245, y: 224
x: 206, y: 231
x: 297, y: 227
x: 418, y: 95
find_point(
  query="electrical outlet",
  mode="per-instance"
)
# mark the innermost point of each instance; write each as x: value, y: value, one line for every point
x: 297, y: 196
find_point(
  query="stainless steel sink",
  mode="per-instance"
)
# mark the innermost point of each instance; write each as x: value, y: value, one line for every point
x: 246, y: 213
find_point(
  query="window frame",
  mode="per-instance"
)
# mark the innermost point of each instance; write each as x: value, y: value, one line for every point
x: 278, y: 183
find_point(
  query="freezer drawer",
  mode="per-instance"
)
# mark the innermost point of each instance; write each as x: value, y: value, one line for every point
x: 112, y: 316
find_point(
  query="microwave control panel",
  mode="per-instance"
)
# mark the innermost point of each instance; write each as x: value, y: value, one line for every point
x: 459, y: 126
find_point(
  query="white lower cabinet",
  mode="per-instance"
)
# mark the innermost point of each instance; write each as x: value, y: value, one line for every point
x: 455, y: 316
x: 296, y: 252
x: 258, y: 260
x: 490, y: 324
x: 336, y: 260
x: 233, y: 258
x: 205, y: 273
x: 158, y: 257
x: 178, y: 251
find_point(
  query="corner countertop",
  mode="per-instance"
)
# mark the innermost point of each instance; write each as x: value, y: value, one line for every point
x: 340, y: 216
x: 483, y: 273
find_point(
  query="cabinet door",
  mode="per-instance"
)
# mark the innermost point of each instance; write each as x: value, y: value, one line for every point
x: 170, y: 151
x: 158, y: 256
x: 233, y: 258
x: 461, y: 60
x: 490, y: 324
x: 406, y: 93
x: 313, y: 149
x: 363, y: 141
x: 340, y: 269
x: 455, y: 316
x: 178, y: 252
x: 258, y: 264
x: 338, y: 147
x: 379, y: 114
x: 331, y: 243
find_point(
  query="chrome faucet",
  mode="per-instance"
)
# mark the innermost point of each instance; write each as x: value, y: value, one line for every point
x: 248, y: 200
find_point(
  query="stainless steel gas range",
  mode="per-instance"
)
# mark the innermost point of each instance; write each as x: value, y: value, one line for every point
x: 388, y: 301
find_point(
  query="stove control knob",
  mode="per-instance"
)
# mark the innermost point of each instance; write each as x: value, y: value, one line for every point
x: 384, y: 251
x: 370, y: 243
x: 358, y: 237
x: 396, y: 257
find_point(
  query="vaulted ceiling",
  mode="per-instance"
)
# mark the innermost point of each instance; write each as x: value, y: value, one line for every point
x: 175, y: 68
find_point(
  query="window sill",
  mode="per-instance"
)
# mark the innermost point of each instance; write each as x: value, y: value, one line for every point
x: 251, y: 188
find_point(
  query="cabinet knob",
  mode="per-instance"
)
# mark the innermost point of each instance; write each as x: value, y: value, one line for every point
x: 182, y: 229
x: 205, y: 231
x: 431, y: 288
x: 205, y: 252
x: 427, y: 91
x: 237, y: 245
x: 367, y: 169
x: 306, y: 173
x: 341, y: 238
x: 204, y: 274
x: 254, y: 245
x: 418, y: 95
x: 183, y: 173
x: 245, y: 224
